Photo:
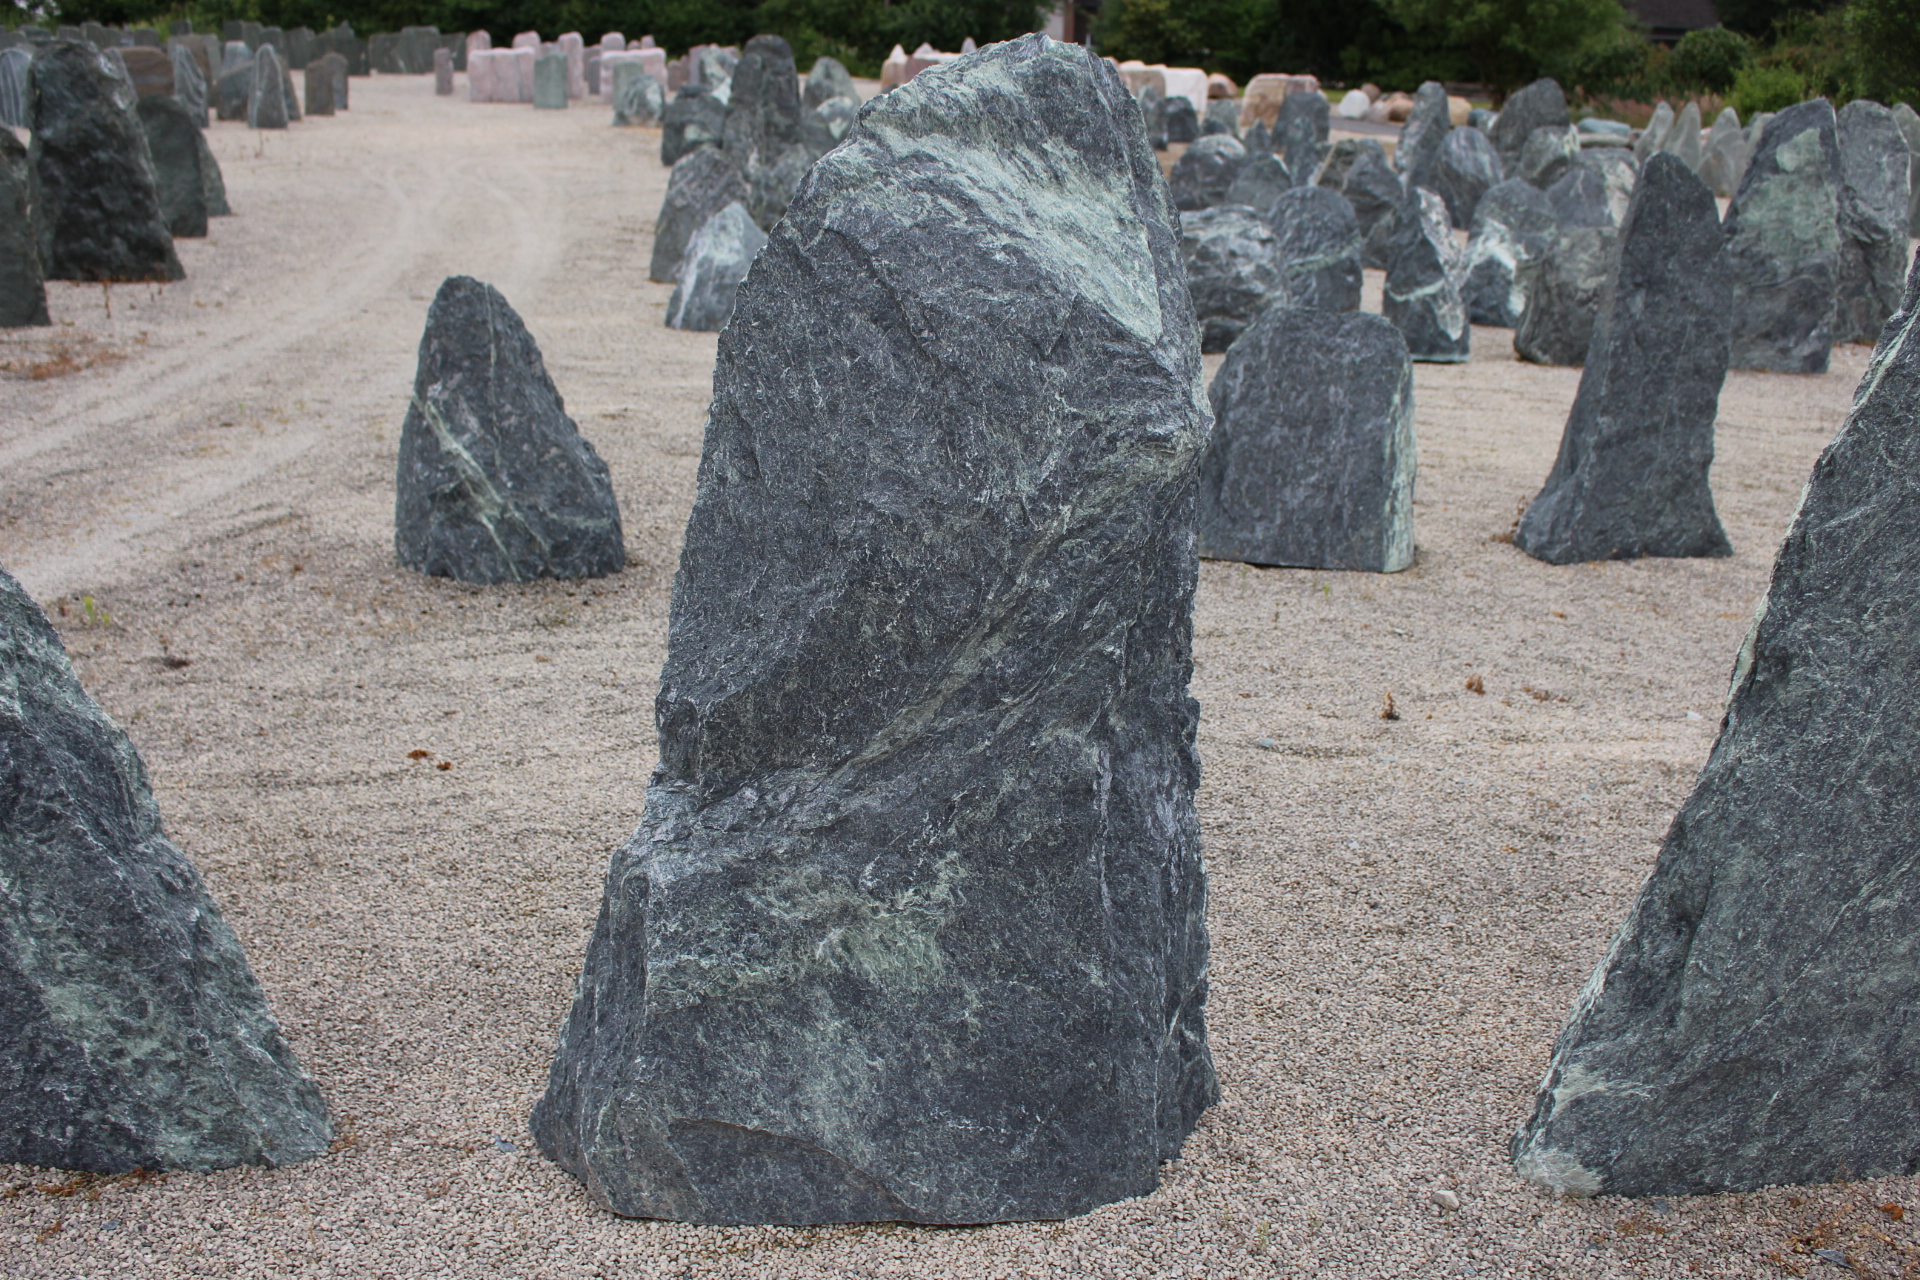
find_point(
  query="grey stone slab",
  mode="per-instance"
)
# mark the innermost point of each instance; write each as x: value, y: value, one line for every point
x: 1153, y: 116
x: 829, y: 79
x: 96, y: 207
x: 495, y: 482
x: 550, y: 81
x: 336, y: 66
x: 1422, y: 293
x: 925, y: 694
x: 716, y: 261
x: 1546, y: 156
x: 1319, y: 242
x: 289, y: 94
x: 443, y: 73
x: 1183, y: 121
x: 1752, y: 1023
x: 1300, y: 132
x: 1875, y: 188
x: 1204, y: 174
x: 763, y: 106
x: 638, y: 98
x: 319, y: 86
x: 149, y: 70
x: 189, y: 86
x: 695, y: 118
x: 23, y: 289
x: 1683, y: 139
x: 1513, y: 228
x: 1311, y: 461
x: 1260, y: 182
x: 175, y: 147
x: 1631, y: 476
x: 1909, y: 122
x: 266, y: 93
x: 1467, y: 168
x: 1723, y: 162
x: 212, y: 181
x: 1654, y: 136
x: 1417, y: 154
x: 13, y: 87
x: 1234, y: 270
x: 133, y: 1034
x: 1784, y: 229
x: 1541, y: 105
x: 1223, y: 116
x: 1564, y: 290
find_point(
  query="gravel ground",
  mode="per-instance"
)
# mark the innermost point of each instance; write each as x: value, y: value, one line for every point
x: 198, y: 488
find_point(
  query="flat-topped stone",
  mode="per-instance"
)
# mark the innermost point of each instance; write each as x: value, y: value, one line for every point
x: 1318, y: 239
x: 175, y: 146
x: 1784, y: 232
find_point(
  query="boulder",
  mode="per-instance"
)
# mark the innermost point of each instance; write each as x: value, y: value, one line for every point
x: 1376, y: 194
x: 1233, y: 271
x: 1541, y: 105
x: 1183, y: 120
x: 1311, y: 462
x: 1784, y: 234
x: 716, y: 262
x: 1563, y: 291
x: 1874, y: 193
x: 213, y: 185
x: 1318, y: 238
x: 319, y: 87
x: 1340, y: 160
x: 1260, y: 182
x: 175, y: 146
x: 1631, y: 476
x: 1683, y: 139
x: 1618, y: 171
x: 1724, y: 160
x: 267, y: 94
x: 1909, y: 121
x: 234, y: 88
x: 1153, y: 114
x: 14, y: 110
x: 829, y: 79
x: 1417, y: 155
x: 495, y: 482
x: 825, y: 127
x: 695, y: 118
x: 771, y: 185
x: 1422, y: 293
x: 1202, y: 176
x: 550, y: 81
x: 1467, y: 168
x: 23, y: 289
x: 1654, y: 136
x: 763, y: 127
x: 1223, y: 116
x: 1752, y: 1023
x: 1513, y: 229
x: 97, y: 208
x: 189, y: 85
x: 443, y: 73
x: 1544, y: 160
x: 638, y: 98
x: 926, y: 671
x: 334, y: 65
x: 1579, y: 199
x: 133, y: 1034
x: 1300, y: 134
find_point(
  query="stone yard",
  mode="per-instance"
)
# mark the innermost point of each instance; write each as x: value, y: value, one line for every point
x: 403, y: 791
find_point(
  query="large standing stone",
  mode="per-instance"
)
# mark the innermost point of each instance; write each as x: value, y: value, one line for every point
x: 1319, y: 243
x: 23, y: 290
x: 1683, y: 139
x: 319, y: 87
x: 98, y: 212
x: 1183, y: 120
x: 829, y: 79
x: 266, y: 97
x: 1311, y: 462
x: 550, y: 81
x: 826, y: 126
x: 1874, y: 190
x: 1654, y: 136
x: 175, y: 145
x: 920, y: 860
x: 1631, y: 477
x: 189, y: 86
x: 496, y: 484
x: 132, y: 1032
x: 1202, y: 177
x: 1300, y: 134
x: 702, y: 184
x: 1467, y: 169
x: 14, y: 98
x: 1234, y: 271
x: 1784, y: 231
x: 695, y: 118
x: 1513, y: 229
x: 1262, y: 180
x: 1422, y: 294
x: 1909, y: 121
x: 1564, y: 290
x: 638, y: 98
x: 443, y: 73
x: 716, y: 262
x: 1617, y: 170
x: 1417, y: 156
x: 762, y: 131
x: 1376, y: 194
x: 234, y: 87
x: 1752, y: 1023
x: 1544, y: 160
x: 1579, y: 199
x: 1541, y: 105
x: 1724, y: 161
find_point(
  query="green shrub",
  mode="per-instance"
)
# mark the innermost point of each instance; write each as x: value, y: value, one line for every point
x: 1885, y: 38
x: 1758, y: 89
x: 1708, y: 60
x: 1616, y: 66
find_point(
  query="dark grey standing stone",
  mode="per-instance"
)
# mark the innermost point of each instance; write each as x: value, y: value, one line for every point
x: 1202, y: 176
x: 95, y: 204
x: 150, y: 71
x: 1564, y: 291
x: 1223, y: 116
x: 1422, y: 294
x: 234, y: 87
x: 1233, y: 270
x: 23, y: 289
x: 1340, y: 160
x: 1319, y: 242
x: 1311, y: 462
x: 550, y: 81
x: 1579, y: 199
x: 443, y: 73
x: 416, y: 46
x: 826, y: 126
x: 335, y: 66
x: 925, y: 697
x: 1631, y: 476
x: 214, y: 185
x: 1752, y: 1023
x: 1541, y: 105
x: 1183, y: 122
x: 189, y: 86
x: 1417, y: 156
x: 703, y: 183
x: 1467, y: 169
x: 1376, y: 194
x: 300, y: 48
x: 771, y: 186
x: 638, y: 98
x: 383, y: 50
x: 1153, y: 114
x: 1909, y: 122
x: 695, y: 118
x: 1261, y: 181
x: 319, y: 91
x: 1544, y: 160
x: 717, y: 260
x: 495, y: 482
x: 174, y: 144
x: 14, y: 106
x: 762, y: 131
x: 1513, y: 228
x: 1724, y: 162
x: 1258, y: 139
x: 267, y: 96
x: 829, y: 79
x: 1300, y: 134
x: 1784, y: 230
x: 1618, y: 171
x: 1874, y: 193
x: 132, y: 1032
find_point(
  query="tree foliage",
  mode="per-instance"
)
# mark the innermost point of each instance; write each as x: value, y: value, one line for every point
x: 1708, y: 60
x: 1509, y: 43
x: 1885, y: 38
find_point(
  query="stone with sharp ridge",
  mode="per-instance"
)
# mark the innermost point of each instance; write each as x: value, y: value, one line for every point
x: 1422, y: 292
x: 1234, y: 270
x: 716, y: 261
x: 1784, y: 232
x: 1418, y: 154
x: 1319, y: 242
x: 1512, y: 229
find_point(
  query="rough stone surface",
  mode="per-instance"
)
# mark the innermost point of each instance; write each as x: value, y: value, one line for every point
x: 638, y: 98
x: 1183, y: 122
x: 149, y: 71
x: 1153, y: 114
x: 267, y: 95
x: 1300, y: 134
x: 1202, y: 176
x: 213, y: 184
x: 319, y: 86
x: 1512, y: 230
x: 1260, y: 182
x: 443, y: 73
x: 763, y: 107
x: 1546, y: 156
x: 495, y: 482
x: 23, y: 290
x: 1909, y: 121
x: 132, y: 1032
x: 1683, y: 139
x: 695, y: 118
x: 1319, y: 242
x: 1223, y: 116
x: 716, y: 262
x: 1234, y: 271
x: 826, y: 126
x: 13, y: 88
x: 335, y: 66
x: 1579, y: 199
x: 1541, y: 105
x: 1631, y: 476
x: 1874, y: 190
x: 1467, y: 168
x: 957, y: 745
x: 1340, y: 160
x: 1422, y: 293
x: 702, y: 184
x: 1724, y: 161
x: 175, y: 146
x: 96, y: 207
x: 1564, y: 290
x: 1752, y: 1023
x: 1418, y: 154
x: 1311, y: 461
x: 234, y: 87
x: 550, y: 81
x: 1618, y: 171
x: 1376, y: 194
x: 829, y: 79
x: 1784, y: 232
x: 1654, y: 136
x: 189, y: 86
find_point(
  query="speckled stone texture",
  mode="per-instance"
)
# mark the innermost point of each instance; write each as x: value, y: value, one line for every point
x: 1260, y: 183
x: 23, y: 289
x: 132, y: 1032
x: 1422, y: 293
x: 1873, y: 221
x: 1544, y: 160
x: 1564, y: 290
x: 695, y: 118
x: 174, y: 144
x: 638, y: 98
x: 1752, y: 1023
x: 913, y: 928
x: 13, y: 88
x: 1908, y: 121
x: 1785, y: 234
x: 495, y: 483
x: 1183, y: 122
x: 96, y: 207
x: 189, y: 86
x: 1468, y: 167
x: 1319, y: 242
x: 1724, y: 161
x: 1300, y: 133
x: 1541, y: 105
x: 1631, y: 476
x: 1233, y: 271
x: 1311, y: 461
x: 1513, y: 228
x: 829, y: 79
x: 1418, y: 154
x: 1202, y: 176
x: 703, y: 182
x: 716, y: 262
x: 266, y: 93
x: 762, y: 131
x: 1376, y: 194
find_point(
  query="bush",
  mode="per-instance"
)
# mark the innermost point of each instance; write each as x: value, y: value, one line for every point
x: 1510, y: 42
x: 1618, y: 66
x: 1758, y: 89
x: 1708, y: 60
x: 1885, y: 39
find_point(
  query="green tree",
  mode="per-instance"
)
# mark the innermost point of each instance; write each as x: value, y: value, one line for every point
x: 1708, y: 60
x: 1758, y: 18
x: 1885, y: 40
x: 1758, y: 89
x: 1508, y: 43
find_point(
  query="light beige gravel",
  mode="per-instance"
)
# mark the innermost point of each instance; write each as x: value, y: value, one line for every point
x: 1402, y: 910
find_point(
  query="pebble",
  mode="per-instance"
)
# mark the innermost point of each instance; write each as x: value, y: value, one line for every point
x: 1445, y: 1199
